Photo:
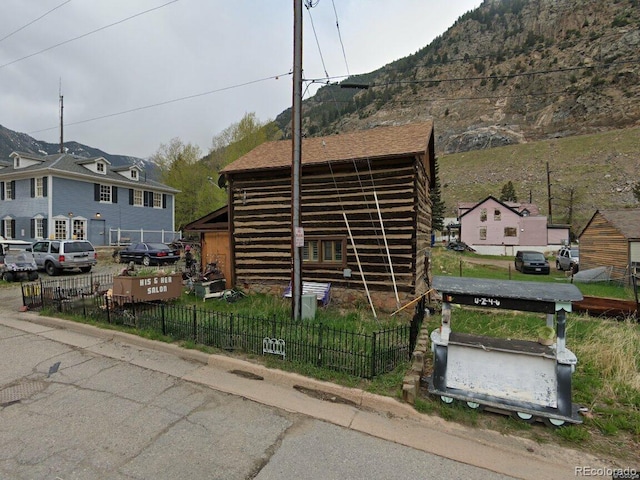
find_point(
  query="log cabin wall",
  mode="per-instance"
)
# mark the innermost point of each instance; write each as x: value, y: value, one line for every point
x: 261, y: 233
x: 603, y: 245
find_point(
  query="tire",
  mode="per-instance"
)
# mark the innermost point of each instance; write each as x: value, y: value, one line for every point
x: 8, y: 277
x: 117, y: 258
x: 33, y: 276
x: 558, y: 266
x: 85, y: 269
x: 146, y: 260
x: 51, y: 269
x: 524, y: 417
x: 554, y: 422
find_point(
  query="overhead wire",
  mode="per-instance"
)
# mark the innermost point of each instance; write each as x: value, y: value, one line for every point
x: 33, y: 21
x: 188, y: 97
x: 87, y: 34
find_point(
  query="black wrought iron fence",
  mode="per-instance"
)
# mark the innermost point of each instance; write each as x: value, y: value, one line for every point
x: 364, y: 355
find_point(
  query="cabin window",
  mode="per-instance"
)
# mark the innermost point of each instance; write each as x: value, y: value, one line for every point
x: 324, y: 251
x: 134, y: 174
x: 483, y: 233
x: 100, y: 167
x: 496, y: 215
x: 510, y: 232
x: 483, y: 214
x: 8, y: 190
x: 157, y: 200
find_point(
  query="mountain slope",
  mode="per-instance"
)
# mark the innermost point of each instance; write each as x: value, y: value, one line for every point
x: 509, y: 72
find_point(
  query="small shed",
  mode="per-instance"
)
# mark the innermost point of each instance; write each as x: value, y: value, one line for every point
x: 349, y: 182
x: 611, y: 238
x: 213, y: 229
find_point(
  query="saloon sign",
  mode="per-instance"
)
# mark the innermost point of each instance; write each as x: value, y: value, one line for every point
x: 162, y: 287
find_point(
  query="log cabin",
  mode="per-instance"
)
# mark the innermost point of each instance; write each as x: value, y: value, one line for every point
x: 364, y: 200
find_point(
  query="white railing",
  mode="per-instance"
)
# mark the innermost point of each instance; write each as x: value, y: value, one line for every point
x: 119, y: 236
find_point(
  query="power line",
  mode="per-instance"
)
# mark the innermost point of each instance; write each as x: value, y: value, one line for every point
x: 344, y: 55
x: 145, y: 107
x: 88, y: 33
x: 33, y: 21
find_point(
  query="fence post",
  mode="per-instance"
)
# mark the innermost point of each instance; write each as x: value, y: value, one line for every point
x: 41, y: 294
x: 164, y: 325
x: 230, y: 341
x: 195, y: 325
x: 319, y: 360
x: 373, y: 354
x: 108, y: 308
x: 273, y: 328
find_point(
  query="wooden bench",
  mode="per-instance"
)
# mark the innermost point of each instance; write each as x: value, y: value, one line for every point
x: 322, y: 291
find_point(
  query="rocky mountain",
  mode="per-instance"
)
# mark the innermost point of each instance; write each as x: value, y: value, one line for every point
x: 508, y: 72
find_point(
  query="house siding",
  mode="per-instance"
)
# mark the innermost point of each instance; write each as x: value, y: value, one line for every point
x: 23, y: 208
x: 601, y: 244
x: 261, y: 216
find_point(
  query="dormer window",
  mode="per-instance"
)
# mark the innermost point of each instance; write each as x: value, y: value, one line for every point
x: 134, y: 174
x: 16, y: 162
x: 100, y: 167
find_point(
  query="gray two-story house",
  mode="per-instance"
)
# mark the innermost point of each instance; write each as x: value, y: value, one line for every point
x: 63, y: 196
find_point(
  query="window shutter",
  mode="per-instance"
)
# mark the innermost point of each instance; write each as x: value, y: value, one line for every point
x: 131, y: 196
x: 1, y: 190
x: 45, y: 184
x: 147, y: 200
x: 45, y: 228
x: 33, y: 187
x: 96, y: 192
x: 33, y: 228
x: 164, y: 200
x: 114, y: 194
x: 13, y: 228
x: 2, y: 227
x: 13, y: 189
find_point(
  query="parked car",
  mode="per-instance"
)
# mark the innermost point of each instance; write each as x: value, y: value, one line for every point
x: 18, y: 265
x: 147, y: 254
x: 54, y: 256
x: 529, y: 261
x: 568, y: 258
x: 458, y: 246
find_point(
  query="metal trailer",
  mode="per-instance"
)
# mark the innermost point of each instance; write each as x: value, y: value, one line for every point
x: 529, y: 380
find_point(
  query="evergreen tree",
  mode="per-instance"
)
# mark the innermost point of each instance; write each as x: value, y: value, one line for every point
x: 437, y: 204
x: 508, y: 193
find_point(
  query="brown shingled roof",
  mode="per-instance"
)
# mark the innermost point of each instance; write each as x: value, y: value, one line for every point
x: 378, y: 142
x: 627, y: 221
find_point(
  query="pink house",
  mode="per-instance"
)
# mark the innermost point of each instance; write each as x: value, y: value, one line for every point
x: 502, y: 228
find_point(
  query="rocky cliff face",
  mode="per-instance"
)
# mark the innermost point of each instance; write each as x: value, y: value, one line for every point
x: 509, y: 72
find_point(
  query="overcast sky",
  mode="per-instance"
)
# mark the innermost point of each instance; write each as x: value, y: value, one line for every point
x: 231, y: 57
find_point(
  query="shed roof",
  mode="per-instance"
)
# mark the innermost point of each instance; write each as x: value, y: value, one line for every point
x: 626, y: 221
x: 381, y: 142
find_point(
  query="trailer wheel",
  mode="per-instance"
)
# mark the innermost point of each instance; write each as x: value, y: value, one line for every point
x: 445, y: 399
x: 474, y: 406
x: 554, y: 422
x: 524, y: 417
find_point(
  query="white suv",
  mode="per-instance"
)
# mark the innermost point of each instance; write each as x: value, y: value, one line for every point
x: 568, y: 259
x: 54, y: 256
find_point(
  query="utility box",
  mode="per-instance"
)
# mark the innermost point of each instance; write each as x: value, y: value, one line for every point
x: 309, y: 305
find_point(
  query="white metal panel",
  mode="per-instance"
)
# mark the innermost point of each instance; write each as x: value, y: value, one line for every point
x: 506, y: 375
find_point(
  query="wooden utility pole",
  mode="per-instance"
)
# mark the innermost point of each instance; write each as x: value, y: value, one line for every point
x: 297, y: 235
x: 549, y: 193
x: 61, y: 118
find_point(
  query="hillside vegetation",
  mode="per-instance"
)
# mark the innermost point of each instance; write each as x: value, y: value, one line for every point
x: 587, y: 173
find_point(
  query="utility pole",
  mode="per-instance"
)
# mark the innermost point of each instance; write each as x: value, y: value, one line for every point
x: 61, y: 117
x: 297, y: 234
x: 549, y: 193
